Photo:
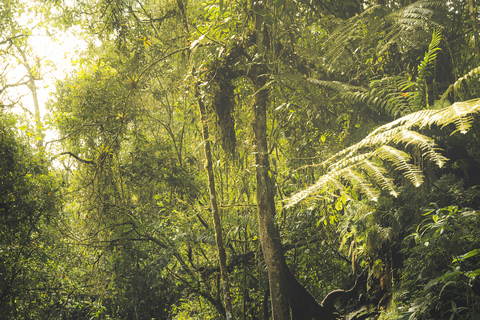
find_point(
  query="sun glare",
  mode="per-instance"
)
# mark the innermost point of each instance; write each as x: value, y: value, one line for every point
x: 52, y: 53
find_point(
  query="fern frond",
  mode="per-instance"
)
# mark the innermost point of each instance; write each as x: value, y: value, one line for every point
x: 350, y: 161
x: 472, y: 74
x: 460, y: 114
x: 357, y: 178
x: 344, y: 162
x: 420, y: 99
x: 321, y: 185
x: 392, y: 91
x: 426, y: 144
x: 386, y: 26
x: 348, y: 35
x: 354, y: 94
x: 400, y: 161
x: 379, y: 174
x: 417, y: 15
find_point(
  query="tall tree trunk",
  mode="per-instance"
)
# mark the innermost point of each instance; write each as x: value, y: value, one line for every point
x: 268, y: 233
x: 222, y: 257
x: 38, y: 123
x: 285, y: 291
x: 267, y: 230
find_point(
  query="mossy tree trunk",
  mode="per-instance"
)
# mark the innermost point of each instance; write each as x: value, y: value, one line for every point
x: 222, y: 256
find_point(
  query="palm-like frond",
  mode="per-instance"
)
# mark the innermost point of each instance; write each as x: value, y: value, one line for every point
x: 365, y: 185
x: 355, y: 94
x: 459, y: 113
x: 379, y: 174
x: 392, y: 91
x: 397, y: 94
x: 453, y: 88
x: 400, y: 160
x: 425, y: 143
x: 420, y: 99
x: 320, y: 186
x: 355, y: 162
x: 386, y: 26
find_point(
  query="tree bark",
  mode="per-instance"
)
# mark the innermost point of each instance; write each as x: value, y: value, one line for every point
x: 285, y: 291
x: 267, y: 230
x: 222, y: 257
x: 268, y: 233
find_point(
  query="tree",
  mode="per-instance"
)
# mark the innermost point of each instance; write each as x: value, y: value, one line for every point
x: 127, y: 120
x: 29, y: 205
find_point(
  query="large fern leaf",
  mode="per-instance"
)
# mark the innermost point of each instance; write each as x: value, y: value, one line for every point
x: 387, y: 26
x: 400, y: 161
x: 379, y: 173
x: 426, y: 144
x: 453, y: 88
x: 352, y: 161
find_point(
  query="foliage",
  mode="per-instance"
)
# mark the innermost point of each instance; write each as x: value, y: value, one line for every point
x: 356, y: 94
x: 445, y: 285
x: 29, y: 204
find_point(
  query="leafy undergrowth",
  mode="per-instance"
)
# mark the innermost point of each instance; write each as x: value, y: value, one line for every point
x: 441, y: 269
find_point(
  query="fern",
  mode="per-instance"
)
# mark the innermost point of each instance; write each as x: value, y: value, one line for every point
x: 386, y: 26
x: 420, y: 100
x: 357, y: 178
x: 425, y: 143
x: 356, y: 164
x: 379, y: 174
x: 400, y: 160
x: 453, y: 88
x: 396, y: 95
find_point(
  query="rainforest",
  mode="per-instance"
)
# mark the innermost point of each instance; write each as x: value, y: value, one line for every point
x: 245, y: 159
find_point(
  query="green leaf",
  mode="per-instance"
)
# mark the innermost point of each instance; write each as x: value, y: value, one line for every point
x: 467, y: 255
x: 474, y: 273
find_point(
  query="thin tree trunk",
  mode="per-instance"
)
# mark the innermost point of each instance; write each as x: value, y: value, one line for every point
x: 33, y: 89
x: 285, y: 291
x: 216, y: 217
x: 38, y: 123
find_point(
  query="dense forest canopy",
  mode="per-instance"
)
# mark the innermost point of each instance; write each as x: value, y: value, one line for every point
x: 269, y: 159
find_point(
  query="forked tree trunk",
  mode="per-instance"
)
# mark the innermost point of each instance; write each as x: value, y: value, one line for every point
x: 222, y: 257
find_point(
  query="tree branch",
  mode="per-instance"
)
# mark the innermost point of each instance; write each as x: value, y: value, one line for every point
x: 78, y: 158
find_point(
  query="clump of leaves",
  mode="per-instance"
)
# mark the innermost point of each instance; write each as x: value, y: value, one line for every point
x: 440, y: 275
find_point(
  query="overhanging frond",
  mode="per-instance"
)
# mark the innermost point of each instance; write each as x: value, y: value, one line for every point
x: 355, y: 94
x: 426, y: 144
x: 380, y: 27
x: 357, y: 157
x: 357, y: 178
x: 472, y: 74
x: 400, y: 161
x: 379, y: 174
x: 321, y: 185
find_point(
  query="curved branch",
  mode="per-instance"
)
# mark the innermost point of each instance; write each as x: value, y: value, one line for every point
x: 78, y: 158
x: 329, y: 300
